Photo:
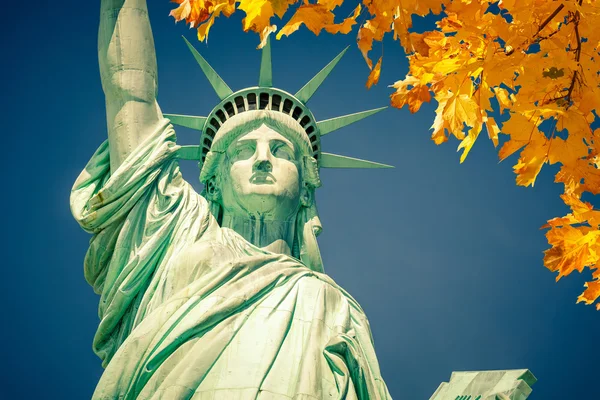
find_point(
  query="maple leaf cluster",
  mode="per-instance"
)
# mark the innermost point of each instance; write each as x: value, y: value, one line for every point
x: 523, y: 71
x: 259, y: 14
x: 530, y: 63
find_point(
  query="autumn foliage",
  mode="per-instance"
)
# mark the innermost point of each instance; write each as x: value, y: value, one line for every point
x: 524, y: 72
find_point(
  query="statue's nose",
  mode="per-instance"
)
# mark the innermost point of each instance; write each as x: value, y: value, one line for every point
x: 263, y: 166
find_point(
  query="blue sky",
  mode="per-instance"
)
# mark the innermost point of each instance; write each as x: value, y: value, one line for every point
x: 446, y: 259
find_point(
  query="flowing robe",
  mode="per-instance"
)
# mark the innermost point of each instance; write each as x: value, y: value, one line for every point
x: 190, y: 310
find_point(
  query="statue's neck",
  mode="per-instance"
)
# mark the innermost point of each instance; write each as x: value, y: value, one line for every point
x: 271, y: 235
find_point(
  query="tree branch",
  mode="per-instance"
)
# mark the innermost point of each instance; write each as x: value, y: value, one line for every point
x: 577, y: 56
x: 535, y: 39
x: 550, y: 17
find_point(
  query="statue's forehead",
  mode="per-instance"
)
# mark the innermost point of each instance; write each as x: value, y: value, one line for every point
x: 265, y: 133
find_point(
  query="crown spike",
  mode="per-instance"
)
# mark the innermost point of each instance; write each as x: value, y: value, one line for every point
x: 265, y: 78
x: 330, y: 125
x: 311, y: 87
x: 189, y: 121
x: 188, y: 153
x: 328, y: 160
x: 215, y: 80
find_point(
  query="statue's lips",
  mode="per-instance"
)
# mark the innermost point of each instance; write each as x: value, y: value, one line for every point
x: 262, y: 178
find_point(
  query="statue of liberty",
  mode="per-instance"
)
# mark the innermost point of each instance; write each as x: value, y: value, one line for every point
x: 219, y: 295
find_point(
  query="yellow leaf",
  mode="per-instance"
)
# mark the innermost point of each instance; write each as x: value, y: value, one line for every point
x: 580, y: 176
x: 331, y: 4
x: 492, y: 130
x: 181, y: 12
x: 468, y: 142
x: 314, y: 16
x: 451, y: 23
x: 402, y: 23
x: 364, y: 40
x: 557, y: 259
x: 572, y: 249
x: 371, y: 30
x: 193, y: 11
x: 574, y: 121
x: 374, y: 75
x: 414, y: 97
x: 567, y: 151
x: 591, y: 293
x: 504, y: 99
x: 281, y: 6
x: 439, y: 124
x: 226, y: 8
x: 346, y: 25
x: 521, y: 130
x: 531, y: 160
x: 258, y: 14
x: 264, y: 35
x: 460, y: 110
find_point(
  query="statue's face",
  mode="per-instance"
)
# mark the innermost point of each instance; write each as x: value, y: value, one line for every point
x: 261, y: 175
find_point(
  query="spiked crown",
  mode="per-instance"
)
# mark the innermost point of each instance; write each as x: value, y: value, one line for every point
x: 266, y: 97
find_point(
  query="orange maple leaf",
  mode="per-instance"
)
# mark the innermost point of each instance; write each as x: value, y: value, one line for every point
x: 410, y: 91
x: 592, y: 291
x: 226, y: 8
x: 314, y: 16
x: 374, y: 75
x: 193, y: 11
x: 346, y: 25
x: 461, y: 109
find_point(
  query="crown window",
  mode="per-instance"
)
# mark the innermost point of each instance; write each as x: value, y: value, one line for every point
x: 264, y: 101
x: 287, y: 106
x: 239, y: 103
x: 297, y: 112
x: 275, y: 102
x: 229, y: 109
x: 221, y: 115
x: 251, y: 101
x: 304, y: 121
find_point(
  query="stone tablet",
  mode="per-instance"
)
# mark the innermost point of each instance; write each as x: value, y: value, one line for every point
x: 486, y: 385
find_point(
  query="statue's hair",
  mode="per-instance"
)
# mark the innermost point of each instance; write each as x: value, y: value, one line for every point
x: 248, y: 121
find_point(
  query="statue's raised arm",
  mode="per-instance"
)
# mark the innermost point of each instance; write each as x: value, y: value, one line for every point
x: 131, y: 195
x: 129, y: 75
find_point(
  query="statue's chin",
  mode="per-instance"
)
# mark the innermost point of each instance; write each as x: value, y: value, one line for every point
x: 266, y: 201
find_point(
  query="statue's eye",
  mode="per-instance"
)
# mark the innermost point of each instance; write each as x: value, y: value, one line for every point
x: 244, y: 150
x: 282, y: 150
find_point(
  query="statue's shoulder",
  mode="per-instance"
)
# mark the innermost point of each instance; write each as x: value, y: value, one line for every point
x: 334, y: 290
x: 319, y: 284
